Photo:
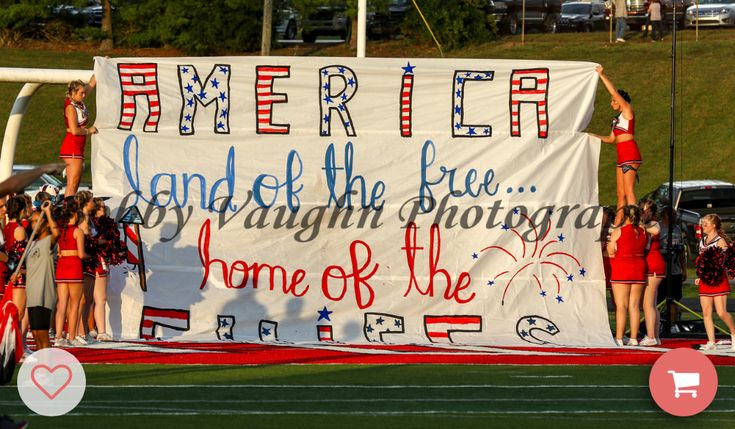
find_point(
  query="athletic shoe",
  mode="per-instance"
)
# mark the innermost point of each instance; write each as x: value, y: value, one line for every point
x: 104, y: 337
x: 92, y: 334
x: 618, y: 342
x: 709, y: 346
x: 632, y: 342
x: 648, y: 341
x: 62, y: 342
x: 618, y: 40
x: 90, y: 339
x: 78, y: 342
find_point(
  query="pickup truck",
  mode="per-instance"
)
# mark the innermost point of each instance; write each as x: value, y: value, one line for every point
x: 508, y: 14
x: 694, y: 199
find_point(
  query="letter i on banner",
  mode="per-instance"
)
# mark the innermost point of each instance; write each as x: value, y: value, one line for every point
x: 406, y: 100
x: 132, y: 234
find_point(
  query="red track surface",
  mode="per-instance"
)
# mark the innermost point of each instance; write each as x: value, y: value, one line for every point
x: 228, y: 353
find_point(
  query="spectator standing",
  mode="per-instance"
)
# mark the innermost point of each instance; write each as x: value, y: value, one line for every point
x: 621, y: 13
x: 654, y: 14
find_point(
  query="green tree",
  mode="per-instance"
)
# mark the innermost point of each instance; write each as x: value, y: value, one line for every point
x: 20, y: 19
x: 454, y: 23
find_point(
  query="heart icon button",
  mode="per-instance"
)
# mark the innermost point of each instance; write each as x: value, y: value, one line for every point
x: 51, y: 381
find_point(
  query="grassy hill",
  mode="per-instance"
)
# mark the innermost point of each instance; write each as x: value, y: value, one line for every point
x: 704, y: 90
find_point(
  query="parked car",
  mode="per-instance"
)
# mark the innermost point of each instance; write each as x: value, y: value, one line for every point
x: 637, y: 17
x: 387, y: 23
x: 582, y: 16
x: 695, y: 198
x: 287, y: 26
x: 327, y: 21
x: 508, y: 14
x: 711, y: 13
x: 43, y: 180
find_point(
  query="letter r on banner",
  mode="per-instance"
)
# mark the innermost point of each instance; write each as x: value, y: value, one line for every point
x: 334, y: 98
x: 529, y: 86
x: 139, y: 79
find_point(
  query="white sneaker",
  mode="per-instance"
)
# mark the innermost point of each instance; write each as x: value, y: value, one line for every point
x: 632, y: 342
x: 104, y: 336
x: 648, y: 341
x: 618, y: 342
x: 709, y: 346
x: 619, y: 40
x: 78, y: 342
x: 62, y: 342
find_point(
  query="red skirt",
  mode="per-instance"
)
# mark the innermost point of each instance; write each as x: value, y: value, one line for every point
x: 628, y: 270
x: 721, y: 288
x: 73, y: 146
x: 69, y: 270
x: 608, y: 270
x: 628, y: 153
x: 656, y: 265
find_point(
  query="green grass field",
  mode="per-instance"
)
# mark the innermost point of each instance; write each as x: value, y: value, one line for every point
x: 366, y: 396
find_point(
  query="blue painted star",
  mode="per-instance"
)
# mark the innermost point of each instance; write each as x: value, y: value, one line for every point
x: 195, y: 78
x: 468, y: 74
x: 459, y: 93
x: 214, y: 83
x: 223, y: 113
x: 550, y: 328
x: 187, y: 117
x: 326, y: 118
x: 460, y: 79
x: 457, y: 126
x: 341, y: 70
x: 489, y: 74
x: 220, y: 125
x: 325, y: 86
x: 324, y: 314
x: 457, y: 110
x: 542, y: 293
x: 190, y: 102
x: 343, y: 97
x: 560, y: 237
x: 486, y: 131
x: 202, y: 95
x: 327, y: 99
x: 531, y: 321
x: 582, y: 271
x: 347, y: 124
x: 222, y: 96
x: 266, y: 331
x: 379, y: 320
x: 369, y: 328
x: 341, y: 107
x: 516, y: 211
x: 351, y: 81
x: 325, y: 72
x: 223, y: 70
x: 397, y: 323
x: 490, y: 282
x: 223, y: 323
x: 185, y: 70
x: 471, y: 131
x: 504, y: 227
x: 189, y: 88
x: 228, y: 336
x: 184, y: 128
x: 570, y: 278
x: 408, y: 69
x: 524, y: 333
x: 477, y: 77
x: 559, y: 299
x: 475, y: 256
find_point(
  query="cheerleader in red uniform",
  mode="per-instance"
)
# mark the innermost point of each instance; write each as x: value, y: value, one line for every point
x: 110, y: 251
x: 656, y: 273
x: 15, y: 244
x: 627, y: 249
x: 623, y: 137
x: 712, y: 280
x: 69, y: 272
x: 76, y: 117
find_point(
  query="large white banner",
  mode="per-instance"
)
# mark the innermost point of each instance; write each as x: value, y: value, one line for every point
x: 353, y: 200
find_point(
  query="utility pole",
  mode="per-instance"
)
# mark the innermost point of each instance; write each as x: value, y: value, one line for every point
x: 265, y: 46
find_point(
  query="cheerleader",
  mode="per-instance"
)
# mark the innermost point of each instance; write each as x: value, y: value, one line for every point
x: 656, y: 273
x: 69, y: 273
x: 623, y: 137
x: 76, y: 118
x: 86, y: 321
x: 15, y: 244
x: 627, y: 249
x: 712, y: 280
x: 108, y: 250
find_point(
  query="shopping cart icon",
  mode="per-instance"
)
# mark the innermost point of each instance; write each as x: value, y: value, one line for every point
x: 682, y: 380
